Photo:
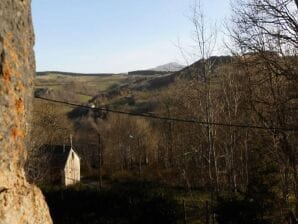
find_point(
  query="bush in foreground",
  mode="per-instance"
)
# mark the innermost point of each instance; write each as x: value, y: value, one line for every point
x: 130, y: 202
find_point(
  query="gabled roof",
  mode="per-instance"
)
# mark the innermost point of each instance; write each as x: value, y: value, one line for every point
x: 56, y: 155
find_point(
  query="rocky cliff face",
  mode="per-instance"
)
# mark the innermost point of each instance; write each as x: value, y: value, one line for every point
x: 19, y: 201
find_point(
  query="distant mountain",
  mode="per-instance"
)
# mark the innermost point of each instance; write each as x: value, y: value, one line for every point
x: 169, y: 67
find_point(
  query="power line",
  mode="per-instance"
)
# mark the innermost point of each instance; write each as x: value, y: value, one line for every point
x: 158, y: 117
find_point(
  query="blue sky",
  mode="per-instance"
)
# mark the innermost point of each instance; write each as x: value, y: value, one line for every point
x: 114, y: 35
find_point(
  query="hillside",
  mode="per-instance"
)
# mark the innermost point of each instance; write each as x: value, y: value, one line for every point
x: 138, y: 93
x: 47, y: 73
x: 147, y: 73
x: 196, y: 68
x: 78, y: 88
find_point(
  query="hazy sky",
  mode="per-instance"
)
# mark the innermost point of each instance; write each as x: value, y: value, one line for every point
x: 114, y: 35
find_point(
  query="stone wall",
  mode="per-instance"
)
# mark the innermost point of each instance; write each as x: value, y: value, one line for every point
x: 19, y: 201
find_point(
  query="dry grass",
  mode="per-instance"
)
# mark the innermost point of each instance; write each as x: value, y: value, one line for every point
x: 83, y: 87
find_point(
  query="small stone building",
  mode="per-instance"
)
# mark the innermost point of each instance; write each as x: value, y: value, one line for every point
x: 62, y: 165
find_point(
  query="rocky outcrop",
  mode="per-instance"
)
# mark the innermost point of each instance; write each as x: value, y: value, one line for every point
x: 19, y: 201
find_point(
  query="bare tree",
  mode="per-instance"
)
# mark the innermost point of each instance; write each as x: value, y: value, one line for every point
x: 49, y: 126
x: 267, y: 30
x: 205, y: 39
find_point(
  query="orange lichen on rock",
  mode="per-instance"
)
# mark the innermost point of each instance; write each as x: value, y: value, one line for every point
x: 6, y: 74
x: 15, y: 132
x: 14, y: 57
x: 10, y: 49
x: 19, y: 106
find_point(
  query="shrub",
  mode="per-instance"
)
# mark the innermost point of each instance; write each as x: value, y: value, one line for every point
x: 130, y: 202
x: 259, y: 203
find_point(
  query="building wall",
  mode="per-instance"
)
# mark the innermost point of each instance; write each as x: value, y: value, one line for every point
x: 72, y: 173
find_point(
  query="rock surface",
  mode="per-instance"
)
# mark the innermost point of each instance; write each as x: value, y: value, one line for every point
x: 20, y: 202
